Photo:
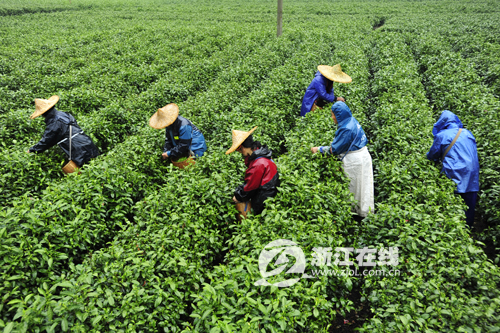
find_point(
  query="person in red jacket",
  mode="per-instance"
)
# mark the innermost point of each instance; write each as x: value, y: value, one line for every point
x: 261, y: 176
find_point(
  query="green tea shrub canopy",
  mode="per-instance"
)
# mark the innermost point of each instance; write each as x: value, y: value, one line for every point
x: 136, y: 244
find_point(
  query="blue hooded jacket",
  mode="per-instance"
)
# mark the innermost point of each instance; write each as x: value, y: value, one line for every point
x: 349, y: 135
x: 181, y: 137
x: 461, y: 164
x: 317, y: 89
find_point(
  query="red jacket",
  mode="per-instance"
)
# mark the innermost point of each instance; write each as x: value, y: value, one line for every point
x: 261, y: 179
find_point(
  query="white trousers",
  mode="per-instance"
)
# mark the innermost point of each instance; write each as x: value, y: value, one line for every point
x: 358, y: 167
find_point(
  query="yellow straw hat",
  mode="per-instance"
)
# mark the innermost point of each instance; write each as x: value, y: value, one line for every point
x: 165, y: 116
x: 334, y: 73
x: 44, y: 105
x: 238, y: 138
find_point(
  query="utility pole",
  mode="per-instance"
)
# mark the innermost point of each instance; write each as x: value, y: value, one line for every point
x: 280, y: 18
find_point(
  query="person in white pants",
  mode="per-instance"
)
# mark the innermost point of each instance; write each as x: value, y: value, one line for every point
x: 350, y: 146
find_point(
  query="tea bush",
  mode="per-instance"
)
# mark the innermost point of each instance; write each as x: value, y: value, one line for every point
x: 464, y: 94
x: 444, y: 273
x: 134, y: 244
x: 107, y: 127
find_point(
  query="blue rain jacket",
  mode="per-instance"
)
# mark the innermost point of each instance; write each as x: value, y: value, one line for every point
x: 349, y: 135
x: 183, y: 136
x: 317, y: 89
x: 461, y: 164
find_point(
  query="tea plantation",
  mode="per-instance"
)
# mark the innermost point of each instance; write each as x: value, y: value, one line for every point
x: 133, y: 244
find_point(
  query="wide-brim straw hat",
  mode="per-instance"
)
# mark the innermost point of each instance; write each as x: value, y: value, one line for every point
x: 334, y: 73
x: 165, y: 116
x: 238, y: 137
x: 44, y: 105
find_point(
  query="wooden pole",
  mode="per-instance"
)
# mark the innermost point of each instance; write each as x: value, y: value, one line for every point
x: 280, y: 18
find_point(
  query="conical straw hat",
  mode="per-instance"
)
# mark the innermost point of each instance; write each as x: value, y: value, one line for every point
x: 165, y: 116
x: 44, y: 105
x: 238, y: 138
x: 334, y: 73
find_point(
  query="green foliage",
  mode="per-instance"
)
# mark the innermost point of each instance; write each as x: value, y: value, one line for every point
x: 135, y: 244
x: 463, y: 93
x: 446, y: 279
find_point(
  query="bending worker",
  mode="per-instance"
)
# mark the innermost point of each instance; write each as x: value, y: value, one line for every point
x: 456, y: 148
x: 261, y: 176
x: 58, y: 126
x: 181, y: 136
x: 350, y: 144
x: 320, y: 91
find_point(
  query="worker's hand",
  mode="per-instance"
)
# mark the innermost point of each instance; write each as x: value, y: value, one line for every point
x: 28, y: 151
x: 340, y: 99
x: 164, y: 155
x: 235, y: 200
x: 314, y: 149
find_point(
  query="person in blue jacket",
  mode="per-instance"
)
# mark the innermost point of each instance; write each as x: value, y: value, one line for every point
x: 460, y: 162
x: 181, y: 136
x: 320, y: 91
x: 350, y: 145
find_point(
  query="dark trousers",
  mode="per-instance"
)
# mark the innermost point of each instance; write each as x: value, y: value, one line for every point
x: 470, y: 199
